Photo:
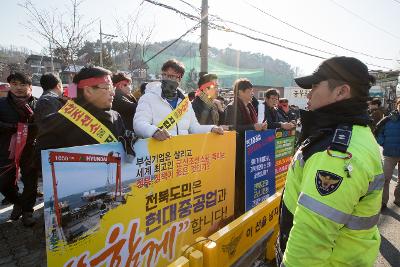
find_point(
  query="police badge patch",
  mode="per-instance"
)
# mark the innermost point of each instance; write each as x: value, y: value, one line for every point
x: 327, y: 182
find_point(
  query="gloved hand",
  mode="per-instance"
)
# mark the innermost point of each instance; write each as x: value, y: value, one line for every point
x: 128, y: 141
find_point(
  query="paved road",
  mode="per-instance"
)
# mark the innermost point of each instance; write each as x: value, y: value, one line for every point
x: 21, y: 246
x: 389, y: 226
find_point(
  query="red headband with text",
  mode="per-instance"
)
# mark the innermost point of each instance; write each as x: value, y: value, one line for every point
x: 94, y: 81
x: 204, y: 86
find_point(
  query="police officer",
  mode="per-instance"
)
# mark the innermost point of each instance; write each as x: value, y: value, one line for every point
x: 333, y: 191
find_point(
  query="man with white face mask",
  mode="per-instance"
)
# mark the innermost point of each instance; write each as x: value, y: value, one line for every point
x: 124, y: 102
x: 155, y: 115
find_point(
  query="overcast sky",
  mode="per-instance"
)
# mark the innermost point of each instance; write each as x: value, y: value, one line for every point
x: 366, y: 26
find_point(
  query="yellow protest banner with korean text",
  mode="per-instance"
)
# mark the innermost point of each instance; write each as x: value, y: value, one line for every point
x: 102, y: 211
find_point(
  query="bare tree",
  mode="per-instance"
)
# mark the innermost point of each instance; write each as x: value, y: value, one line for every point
x: 64, y: 32
x: 135, y: 37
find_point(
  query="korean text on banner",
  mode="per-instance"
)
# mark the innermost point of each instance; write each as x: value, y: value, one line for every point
x: 103, y: 211
x: 284, y: 150
x: 259, y: 166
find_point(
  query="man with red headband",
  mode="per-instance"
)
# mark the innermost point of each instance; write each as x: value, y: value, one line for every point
x: 204, y: 103
x: 124, y: 102
x: 17, y: 135
x: 89, y: 118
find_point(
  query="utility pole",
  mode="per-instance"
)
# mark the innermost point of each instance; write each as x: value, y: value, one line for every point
x: 51, y: 57
x: 101, y: 47
x: 204, y: 38
x: 109, y: 36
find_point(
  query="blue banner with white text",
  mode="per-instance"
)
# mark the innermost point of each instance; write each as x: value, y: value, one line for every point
x: 259, y: 166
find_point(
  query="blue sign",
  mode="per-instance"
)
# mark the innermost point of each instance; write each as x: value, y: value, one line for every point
x: 259, y: 166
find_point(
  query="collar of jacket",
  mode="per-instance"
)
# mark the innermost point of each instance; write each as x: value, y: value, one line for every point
x: 198, y: 101
x: 269, y: 108
x: 129, y: 97
x: 394, y: 115
x: 50, y: 93
x: 350, y: 111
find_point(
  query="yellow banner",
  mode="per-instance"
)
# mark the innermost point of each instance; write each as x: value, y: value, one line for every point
x: 175, y: 115
x: 87, y: 122
x: 235, y: 239
x: 174, y: 192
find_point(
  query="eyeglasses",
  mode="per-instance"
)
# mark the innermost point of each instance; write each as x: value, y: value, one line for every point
x: 109, y: 88
x: 171, y: 77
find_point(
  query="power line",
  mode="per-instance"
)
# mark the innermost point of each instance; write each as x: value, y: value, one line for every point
x: 366, y: 21
x: 316, y: 49
x: 286, y: 47
x: 192, y: 6
x: 272, y: 36
x: 190, y: 47
x: 185, y: 14
x: 179, y: 38
x: 295, y: 50
x: 316, y: 37
x: 272, y: 43
x: 222, y: 28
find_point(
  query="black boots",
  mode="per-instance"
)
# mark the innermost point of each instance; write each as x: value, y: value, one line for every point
x: 27, y: 217
x: 16, y: 212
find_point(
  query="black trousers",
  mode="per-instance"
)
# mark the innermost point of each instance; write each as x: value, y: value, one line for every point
x: 240, y: 195
x: 29, y: 177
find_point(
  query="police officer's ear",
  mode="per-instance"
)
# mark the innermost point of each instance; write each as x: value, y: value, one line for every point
x: 343, y: 92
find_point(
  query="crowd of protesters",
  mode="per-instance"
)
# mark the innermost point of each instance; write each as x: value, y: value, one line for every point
x: 29, y: 125
x: 108, y: 98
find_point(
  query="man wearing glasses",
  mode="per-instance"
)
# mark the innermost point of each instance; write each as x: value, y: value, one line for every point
x: 271, y: 115
x: 155, y: 116
x: 89, y: 118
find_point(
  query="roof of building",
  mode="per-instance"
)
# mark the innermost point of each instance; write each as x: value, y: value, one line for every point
x: 42, y: 58
x: 73, y: 68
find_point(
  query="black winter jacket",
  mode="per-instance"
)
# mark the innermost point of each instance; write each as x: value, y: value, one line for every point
x: 125, y: 105
x: 271, y: 117
x: 9, y: 119
x: 47, y: 104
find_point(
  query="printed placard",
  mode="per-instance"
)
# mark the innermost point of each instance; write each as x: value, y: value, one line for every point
x: 102, y: 211
x: 260, y: 166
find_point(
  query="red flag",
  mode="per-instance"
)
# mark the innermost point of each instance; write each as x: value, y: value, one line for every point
x: 22, y: 135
